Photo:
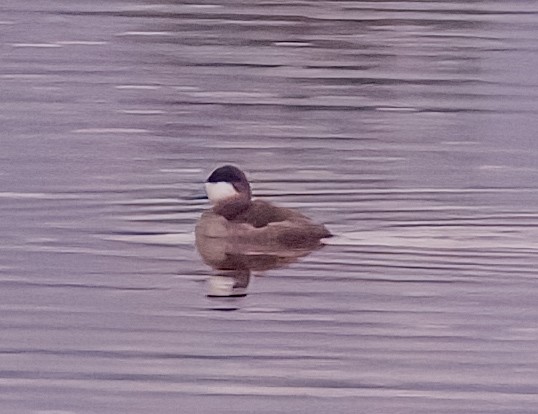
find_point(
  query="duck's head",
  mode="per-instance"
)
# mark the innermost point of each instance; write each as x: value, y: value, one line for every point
x: 227, y: 183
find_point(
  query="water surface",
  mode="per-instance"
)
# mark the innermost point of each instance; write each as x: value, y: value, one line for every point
x: 409, y: 128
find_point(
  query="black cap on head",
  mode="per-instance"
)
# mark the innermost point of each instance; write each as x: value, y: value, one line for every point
x: 227, y: 174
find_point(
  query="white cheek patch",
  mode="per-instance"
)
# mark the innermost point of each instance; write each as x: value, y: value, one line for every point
x: 219, y: 191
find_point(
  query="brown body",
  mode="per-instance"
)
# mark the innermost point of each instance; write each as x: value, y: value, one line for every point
x: 243, y: 220
x: 260, y: 222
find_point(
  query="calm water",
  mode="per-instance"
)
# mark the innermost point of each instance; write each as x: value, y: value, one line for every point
x: 409, y: 128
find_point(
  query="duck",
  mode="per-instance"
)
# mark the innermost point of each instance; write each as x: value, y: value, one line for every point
x: 239, y: 218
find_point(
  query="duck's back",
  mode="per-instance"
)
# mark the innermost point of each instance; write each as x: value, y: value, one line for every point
x: 283, y: 225
x: 261, y: 213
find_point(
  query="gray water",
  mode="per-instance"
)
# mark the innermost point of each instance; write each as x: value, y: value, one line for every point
x: 408, y: 128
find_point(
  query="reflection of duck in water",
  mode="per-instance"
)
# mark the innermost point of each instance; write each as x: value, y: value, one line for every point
x: 234, y: 262
x: 240, y: 234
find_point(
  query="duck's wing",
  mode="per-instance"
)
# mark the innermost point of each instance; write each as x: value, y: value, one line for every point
x: 261, y: 214
x: 283, y: 225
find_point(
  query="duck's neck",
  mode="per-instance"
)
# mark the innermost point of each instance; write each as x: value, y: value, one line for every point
x: 232, y: 207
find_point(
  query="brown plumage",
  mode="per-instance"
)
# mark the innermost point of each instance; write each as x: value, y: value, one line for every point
x: 244, y: 219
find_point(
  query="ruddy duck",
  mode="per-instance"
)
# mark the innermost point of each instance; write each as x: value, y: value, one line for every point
x: 237, y: 217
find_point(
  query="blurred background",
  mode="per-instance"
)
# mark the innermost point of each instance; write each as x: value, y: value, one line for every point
x: 408, y: 128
